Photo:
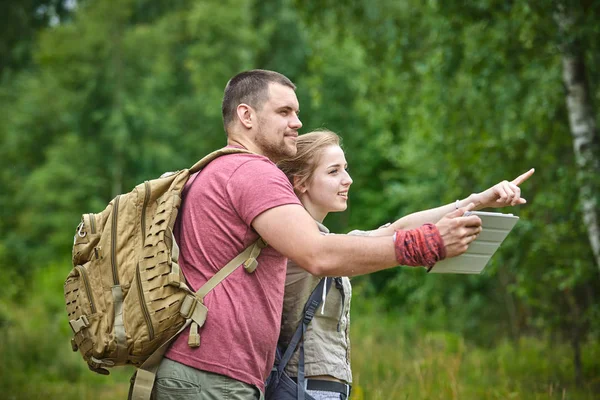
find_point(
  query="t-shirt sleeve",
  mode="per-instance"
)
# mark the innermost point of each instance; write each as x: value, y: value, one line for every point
x: 256, y: 186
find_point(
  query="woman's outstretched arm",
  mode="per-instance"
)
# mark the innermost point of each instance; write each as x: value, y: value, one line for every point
x: 503, y: 194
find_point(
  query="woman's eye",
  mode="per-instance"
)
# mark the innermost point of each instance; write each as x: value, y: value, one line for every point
x: 333, y: 171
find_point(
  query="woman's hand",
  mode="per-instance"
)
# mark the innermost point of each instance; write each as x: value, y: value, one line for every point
x: 503, y: 194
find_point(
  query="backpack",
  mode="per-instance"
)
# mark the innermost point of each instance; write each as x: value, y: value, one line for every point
x: 126, y: 297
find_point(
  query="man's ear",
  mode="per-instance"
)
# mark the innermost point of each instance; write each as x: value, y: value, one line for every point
x: 245, y: 114
x: 299, y: 187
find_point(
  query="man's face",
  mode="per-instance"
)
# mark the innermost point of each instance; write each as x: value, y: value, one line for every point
x: 278, y: 123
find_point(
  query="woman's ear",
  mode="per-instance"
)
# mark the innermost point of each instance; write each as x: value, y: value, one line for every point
x: 299, y: 186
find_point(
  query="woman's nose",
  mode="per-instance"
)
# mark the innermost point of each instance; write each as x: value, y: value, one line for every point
x: 347, y: 179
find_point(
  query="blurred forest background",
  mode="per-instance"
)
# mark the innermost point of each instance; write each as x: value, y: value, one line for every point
x: 434, y: 100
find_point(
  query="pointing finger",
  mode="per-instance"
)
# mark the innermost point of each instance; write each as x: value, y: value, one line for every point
x: 523, y: 177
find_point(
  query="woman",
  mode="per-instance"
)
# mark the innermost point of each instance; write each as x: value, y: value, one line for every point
x: 319, y: 175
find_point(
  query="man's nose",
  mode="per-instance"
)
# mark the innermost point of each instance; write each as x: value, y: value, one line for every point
x: 295, y: 123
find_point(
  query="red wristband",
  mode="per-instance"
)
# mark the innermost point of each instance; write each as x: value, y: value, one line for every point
x: 419, y: 247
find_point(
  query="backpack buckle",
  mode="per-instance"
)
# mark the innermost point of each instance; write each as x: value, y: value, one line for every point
x: 193, y: 308
x: 174, y: 275
x: 79, y: 323
x: 187, y: 306
x: 250, y: 264
x: 309, y: 311
x: 96, y: 365
x: 194, y: 338
x: 308, y: 316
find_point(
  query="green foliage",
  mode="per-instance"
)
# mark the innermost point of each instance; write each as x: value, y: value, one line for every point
x: 475, y: 96
x: 35, y: 336
x: 434, y: 100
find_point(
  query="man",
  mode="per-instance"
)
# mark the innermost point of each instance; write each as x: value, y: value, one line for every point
x: 238, y: 198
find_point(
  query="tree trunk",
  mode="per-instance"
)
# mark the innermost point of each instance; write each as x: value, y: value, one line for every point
x: 586, y: 141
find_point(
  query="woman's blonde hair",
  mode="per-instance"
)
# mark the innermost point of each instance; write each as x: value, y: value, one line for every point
x: 310, y: 149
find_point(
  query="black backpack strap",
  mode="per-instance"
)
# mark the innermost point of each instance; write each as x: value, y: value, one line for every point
x: 310, y: 309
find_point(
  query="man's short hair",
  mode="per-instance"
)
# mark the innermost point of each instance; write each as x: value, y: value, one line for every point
x: 249, y: 87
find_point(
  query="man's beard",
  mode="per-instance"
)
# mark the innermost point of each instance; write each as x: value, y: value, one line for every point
x: 274, y: 151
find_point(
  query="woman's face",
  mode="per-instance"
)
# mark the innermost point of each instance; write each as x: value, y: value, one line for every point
x: 327, y: 189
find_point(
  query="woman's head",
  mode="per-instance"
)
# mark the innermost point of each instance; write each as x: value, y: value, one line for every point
x: 318, y: 173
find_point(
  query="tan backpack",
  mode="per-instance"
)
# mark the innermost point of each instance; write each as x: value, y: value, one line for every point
x: 126, y: 296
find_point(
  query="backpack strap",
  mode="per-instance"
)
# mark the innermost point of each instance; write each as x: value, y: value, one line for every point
x: 215, y: 154
x: 194, y: 310
x: 310, y: 308
x: 193, y: 306
x: 142, y: 381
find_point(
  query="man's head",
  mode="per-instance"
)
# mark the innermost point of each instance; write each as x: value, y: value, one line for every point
x: 251, y: 88
x: 260, y: 112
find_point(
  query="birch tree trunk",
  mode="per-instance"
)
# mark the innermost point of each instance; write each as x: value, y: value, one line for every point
x: 582, y: 121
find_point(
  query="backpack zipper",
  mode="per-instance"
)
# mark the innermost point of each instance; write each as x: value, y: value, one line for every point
x: 113, y: 251
x: 88, y: 290
x: 146, y: 201
x: 143, y: 303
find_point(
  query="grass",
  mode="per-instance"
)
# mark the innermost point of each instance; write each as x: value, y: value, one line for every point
x: 391, y: 359
x: 387, y: 364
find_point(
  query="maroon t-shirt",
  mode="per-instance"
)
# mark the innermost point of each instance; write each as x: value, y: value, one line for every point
x: 244, y: 311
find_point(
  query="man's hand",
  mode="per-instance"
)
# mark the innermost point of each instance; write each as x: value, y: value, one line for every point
x: 503, y: 194
x: 458, y: 231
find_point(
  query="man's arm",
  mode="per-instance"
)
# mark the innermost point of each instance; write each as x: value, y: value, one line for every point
x: 290, y: 230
